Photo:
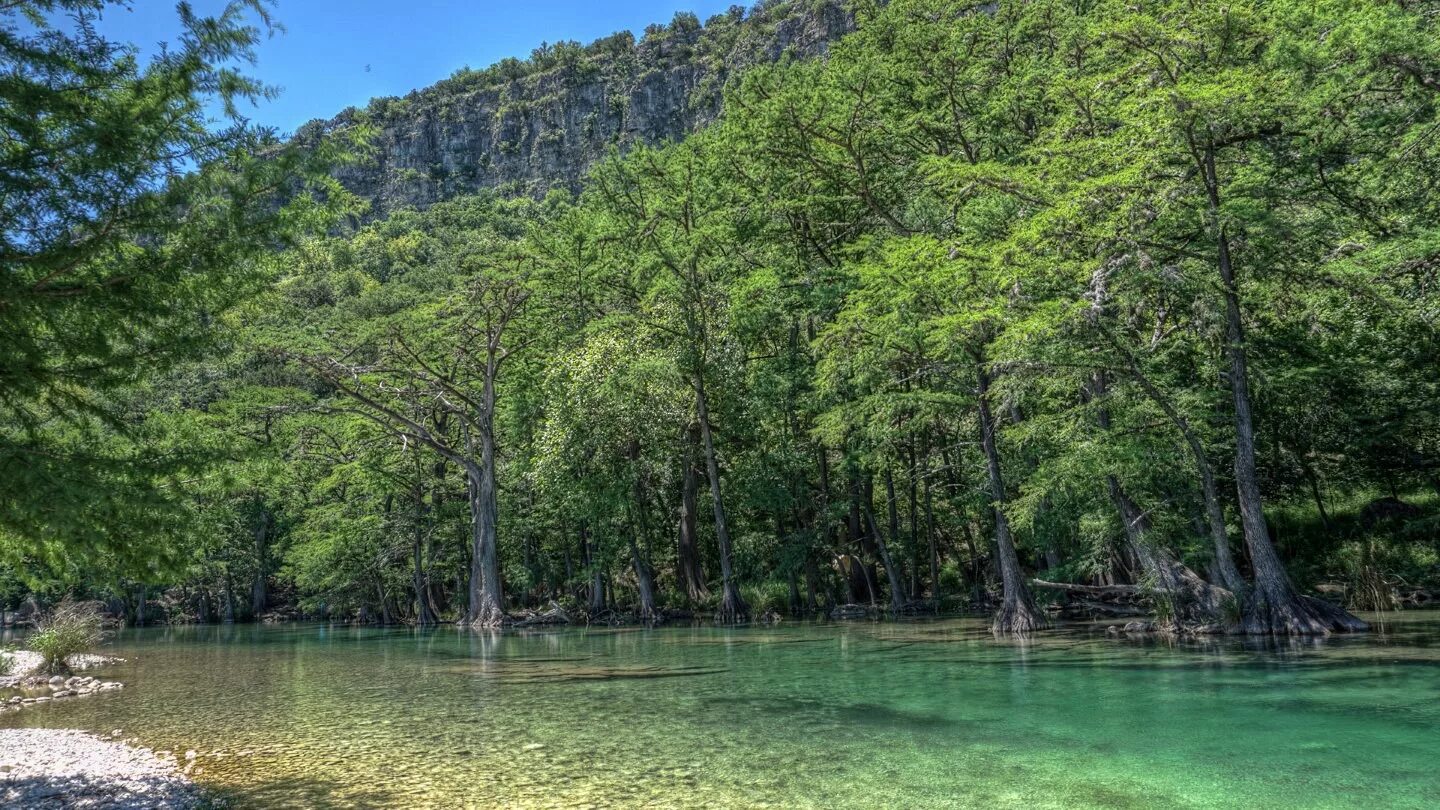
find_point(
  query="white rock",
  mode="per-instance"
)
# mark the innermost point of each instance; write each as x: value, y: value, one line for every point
x: 80, y: 770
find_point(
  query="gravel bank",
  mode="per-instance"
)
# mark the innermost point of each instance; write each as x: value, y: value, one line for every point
x: 63, y: 768
x: 24, y: 663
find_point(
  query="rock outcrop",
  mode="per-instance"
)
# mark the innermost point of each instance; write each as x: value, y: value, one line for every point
x: 522, y: 128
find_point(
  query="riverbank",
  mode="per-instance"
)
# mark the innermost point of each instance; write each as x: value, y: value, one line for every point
x: 62, y: 768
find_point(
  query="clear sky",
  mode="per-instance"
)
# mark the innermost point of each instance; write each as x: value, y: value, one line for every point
x: 339, y: 53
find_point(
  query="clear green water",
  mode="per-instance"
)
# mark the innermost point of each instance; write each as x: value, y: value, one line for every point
x: 927, y: 714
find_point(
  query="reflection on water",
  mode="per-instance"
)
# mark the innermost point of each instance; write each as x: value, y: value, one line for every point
x: 863, y: 715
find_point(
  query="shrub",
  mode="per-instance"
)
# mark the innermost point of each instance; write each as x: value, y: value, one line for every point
x: 68, y: 628
x: 1165, y: 609
x: 1232, y: 611
x: 763, y: 597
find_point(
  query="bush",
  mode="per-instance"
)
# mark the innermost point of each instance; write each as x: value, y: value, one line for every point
x: 69, y: 628
x: 764, y: 597
x: 6, y: 662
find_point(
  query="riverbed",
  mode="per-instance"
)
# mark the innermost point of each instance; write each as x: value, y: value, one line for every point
x: 924, y: 714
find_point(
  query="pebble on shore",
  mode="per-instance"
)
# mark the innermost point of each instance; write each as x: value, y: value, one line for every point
x: 24, y: 666
x: 62, y: 768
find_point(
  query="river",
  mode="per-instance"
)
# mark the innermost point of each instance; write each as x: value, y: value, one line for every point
x: 924, y: 714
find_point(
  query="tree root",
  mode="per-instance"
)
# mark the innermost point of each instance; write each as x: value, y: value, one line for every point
x: 1018, y: 618
x: 733, y: 609
x: 489, y: 615
x: 1300, y: 616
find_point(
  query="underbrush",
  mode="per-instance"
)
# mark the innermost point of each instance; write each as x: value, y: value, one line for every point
x: 1371, y: 551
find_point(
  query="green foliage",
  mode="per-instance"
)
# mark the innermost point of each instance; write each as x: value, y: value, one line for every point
x: 1014, y: 211
x: 767, y: 597
x: 132, y: 225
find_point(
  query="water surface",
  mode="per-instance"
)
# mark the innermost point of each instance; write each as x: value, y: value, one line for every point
x: 934, y: 714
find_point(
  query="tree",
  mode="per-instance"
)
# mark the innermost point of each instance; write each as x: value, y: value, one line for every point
x: 132, y: 224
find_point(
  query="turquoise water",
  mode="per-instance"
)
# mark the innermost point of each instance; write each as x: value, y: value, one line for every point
x: 934, y: 714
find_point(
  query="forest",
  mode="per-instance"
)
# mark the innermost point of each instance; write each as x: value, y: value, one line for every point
x: 990, y: 308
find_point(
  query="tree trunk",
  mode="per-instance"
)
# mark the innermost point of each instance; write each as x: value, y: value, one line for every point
x: 1224, y: 562
x: 640, y: 548
x: 732, y: 608
x: 590, y: 557
x: 644, y: 585
x: 892, y: 508
x: 691, y: 573
x: 812, y: 600
x: 387, y: 613
x: 202, y: 607
x: 1191, y: 596
x: 1018, y: 614
x: 897, y: 585
x: 1314, y: 481
x: 1273, y: 607
x: 424, y: 616
x: 486, y: 601
x: 229, y: 599
x: 934, y: 551
x: 258, y: 595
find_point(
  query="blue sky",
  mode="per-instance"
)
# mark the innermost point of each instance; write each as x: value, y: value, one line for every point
x: 338, y: 53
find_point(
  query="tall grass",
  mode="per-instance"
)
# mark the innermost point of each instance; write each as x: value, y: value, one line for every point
x: 67, y: 629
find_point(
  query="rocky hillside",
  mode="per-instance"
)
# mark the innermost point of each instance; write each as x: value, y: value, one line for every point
x: 524, y: 127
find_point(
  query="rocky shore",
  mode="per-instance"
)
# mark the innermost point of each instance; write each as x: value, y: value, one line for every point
x: 36, y: 688
x: 64, y: 768
x: 45, y: 768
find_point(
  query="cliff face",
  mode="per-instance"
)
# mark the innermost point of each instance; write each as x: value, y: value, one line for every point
x: 526, y: 127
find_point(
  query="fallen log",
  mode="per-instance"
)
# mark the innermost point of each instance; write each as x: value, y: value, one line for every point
x: 1117, y: 590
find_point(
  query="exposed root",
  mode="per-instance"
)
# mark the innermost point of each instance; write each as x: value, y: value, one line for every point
x: 490, y: 614
x: 1018, y: 617
x: 1297, y: 616
x: 733, y: 609
x: 1340, y: 619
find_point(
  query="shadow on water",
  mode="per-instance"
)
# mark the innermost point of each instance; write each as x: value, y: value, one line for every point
x: 302, y: 792
x: 851, y: 714
x: 609, y: 674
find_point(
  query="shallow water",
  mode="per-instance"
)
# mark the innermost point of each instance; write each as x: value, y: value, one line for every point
x: 934, y: 714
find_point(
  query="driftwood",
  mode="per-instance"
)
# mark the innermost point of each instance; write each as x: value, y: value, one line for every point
x: 853, y: 611
x: 1104, y: 590
x: 554, y: 615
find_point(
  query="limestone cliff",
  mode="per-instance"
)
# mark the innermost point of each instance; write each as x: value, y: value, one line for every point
x: 523, y: 127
